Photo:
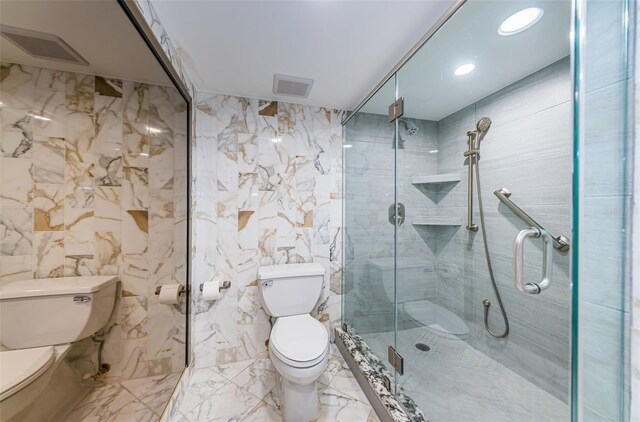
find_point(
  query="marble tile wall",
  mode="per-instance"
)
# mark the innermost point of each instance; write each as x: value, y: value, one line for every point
x: 93, y: 181
x: 267, y: 191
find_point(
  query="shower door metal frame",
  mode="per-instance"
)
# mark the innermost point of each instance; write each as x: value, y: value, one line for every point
x: 136, y: 17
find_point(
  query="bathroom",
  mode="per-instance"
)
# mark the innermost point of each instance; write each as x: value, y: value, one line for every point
x: 426, y: 213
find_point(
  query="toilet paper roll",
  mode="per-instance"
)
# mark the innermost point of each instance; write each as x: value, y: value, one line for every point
x: 169, y: 294
x: 211, y: 290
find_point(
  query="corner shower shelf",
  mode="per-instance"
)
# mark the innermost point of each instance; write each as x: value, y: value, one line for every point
x: 437, y: 221
x: 436, y: 179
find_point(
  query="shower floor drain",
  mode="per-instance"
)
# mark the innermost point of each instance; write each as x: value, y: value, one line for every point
x: 422, y: 347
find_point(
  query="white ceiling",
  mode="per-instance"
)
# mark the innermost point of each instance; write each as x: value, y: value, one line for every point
x: 427, y: 82
x: 346, y: 47
x: 97, y: 29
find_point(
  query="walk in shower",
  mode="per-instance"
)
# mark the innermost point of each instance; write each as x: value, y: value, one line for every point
x: 460, y: 215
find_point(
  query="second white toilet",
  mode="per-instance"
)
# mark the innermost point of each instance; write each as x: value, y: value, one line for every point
x: 299, y: 343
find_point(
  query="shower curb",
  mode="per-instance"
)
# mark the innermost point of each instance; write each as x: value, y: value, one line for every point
x: 369, y: 371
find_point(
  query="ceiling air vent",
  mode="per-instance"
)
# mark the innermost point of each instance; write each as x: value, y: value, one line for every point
x: 42, y: 45
x: 291, y: 86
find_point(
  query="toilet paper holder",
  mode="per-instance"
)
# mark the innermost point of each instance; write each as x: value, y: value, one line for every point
x: 225, y: 285
x: 181, y: 290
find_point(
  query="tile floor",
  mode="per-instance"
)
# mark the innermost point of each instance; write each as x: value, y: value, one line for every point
x: 239, y: 391
x: 490, y: 392
x: 139, y: 400
x: 244, y: 391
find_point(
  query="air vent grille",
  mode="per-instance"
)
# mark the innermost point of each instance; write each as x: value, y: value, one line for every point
x: 292, y: 86
x: 42, y: 44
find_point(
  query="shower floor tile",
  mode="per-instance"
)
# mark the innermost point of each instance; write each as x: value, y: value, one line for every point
x: 244, y: 391
x: 454, y: 382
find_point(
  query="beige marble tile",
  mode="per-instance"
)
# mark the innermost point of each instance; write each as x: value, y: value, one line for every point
x: 48, y: 254
x: 48, y: 207
x: 17, y: 86
x: 17, y: 132
x: 79, y: 265
x: 16, y: 268
x: 49, y: 113
x: 16, y: 189
x: 108, y: 253
x: 135, y: 230
x: 136, y: 102
x: 136, y: 145
x: 108, y: 215
x: 48, y: 160
x: 135, y: 188
x: 80, y: 137
x: 79, y: 190
x: 79, y: 91
x: 79, y: 231
x: 16, y: 231
x: 53, y: 80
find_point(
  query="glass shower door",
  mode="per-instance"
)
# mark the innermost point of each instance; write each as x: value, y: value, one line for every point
x: 369, y: 221
x: 477, y: 102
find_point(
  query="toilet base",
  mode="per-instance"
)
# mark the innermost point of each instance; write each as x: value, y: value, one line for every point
x: 299, y: 402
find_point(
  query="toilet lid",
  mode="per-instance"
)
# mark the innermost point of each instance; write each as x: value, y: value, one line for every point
x: 300, y: 338
x: 19, y: 368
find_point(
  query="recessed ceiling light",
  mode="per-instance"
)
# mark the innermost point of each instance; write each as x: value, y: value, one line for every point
x: 520, y: 21
x: 347, y: 146
x: 464, y: 69
x: 276, y: 140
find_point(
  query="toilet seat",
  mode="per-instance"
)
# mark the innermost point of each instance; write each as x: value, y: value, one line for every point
x: 299, y: 341
x: 19, y: 368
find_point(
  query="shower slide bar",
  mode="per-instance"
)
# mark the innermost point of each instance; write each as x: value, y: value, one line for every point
x: 561, y: 243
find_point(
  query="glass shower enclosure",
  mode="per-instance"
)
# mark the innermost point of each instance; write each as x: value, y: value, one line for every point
x: 460, y: 214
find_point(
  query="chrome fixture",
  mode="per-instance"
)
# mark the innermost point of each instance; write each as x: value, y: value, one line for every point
x: 473, y: 140
x: 561, y: 243
x: 472, y: 153
x: 518, y: 261
x: 225, y: 285
x: 396, y: 214
x: 181, y: 290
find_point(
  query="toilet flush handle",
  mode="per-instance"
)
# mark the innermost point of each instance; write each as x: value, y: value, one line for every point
x: 81, y: 299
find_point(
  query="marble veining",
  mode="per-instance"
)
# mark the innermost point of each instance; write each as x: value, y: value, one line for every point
x: 93, y: 182
x: 245, y: 391
x: 265, y: 172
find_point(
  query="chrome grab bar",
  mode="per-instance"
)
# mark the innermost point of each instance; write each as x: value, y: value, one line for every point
x: 561, y: 243
x: 518, y: 261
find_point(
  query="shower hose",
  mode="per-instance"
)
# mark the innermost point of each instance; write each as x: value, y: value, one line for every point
x: 487, y: 303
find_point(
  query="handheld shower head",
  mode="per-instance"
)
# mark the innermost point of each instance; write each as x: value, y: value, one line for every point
x: 483, y: 124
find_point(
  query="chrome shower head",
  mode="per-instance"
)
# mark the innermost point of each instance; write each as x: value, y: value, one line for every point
x: 411, y: 128
x: 483, y: 124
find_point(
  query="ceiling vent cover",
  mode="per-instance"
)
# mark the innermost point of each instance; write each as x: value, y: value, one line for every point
x: 291, y: 86
x: 42, y: 45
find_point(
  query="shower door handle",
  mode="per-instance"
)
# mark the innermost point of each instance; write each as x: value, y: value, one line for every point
x: 518, y: 261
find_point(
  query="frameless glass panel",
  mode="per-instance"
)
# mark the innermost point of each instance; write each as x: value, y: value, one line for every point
x: 491, y: 100
x: 604, y: 194
x: 368, y: 290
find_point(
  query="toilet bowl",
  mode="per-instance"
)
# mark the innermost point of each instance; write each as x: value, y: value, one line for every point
x: 298, y: 343
x: 39, y: 322
x: 25, y: 374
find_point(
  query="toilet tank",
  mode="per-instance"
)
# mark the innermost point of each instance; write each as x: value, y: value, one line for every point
x: 290, y: 289
x: 44, y: 312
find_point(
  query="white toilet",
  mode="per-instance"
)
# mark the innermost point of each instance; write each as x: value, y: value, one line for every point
x: 299, y: 343
x: 39, y: 319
